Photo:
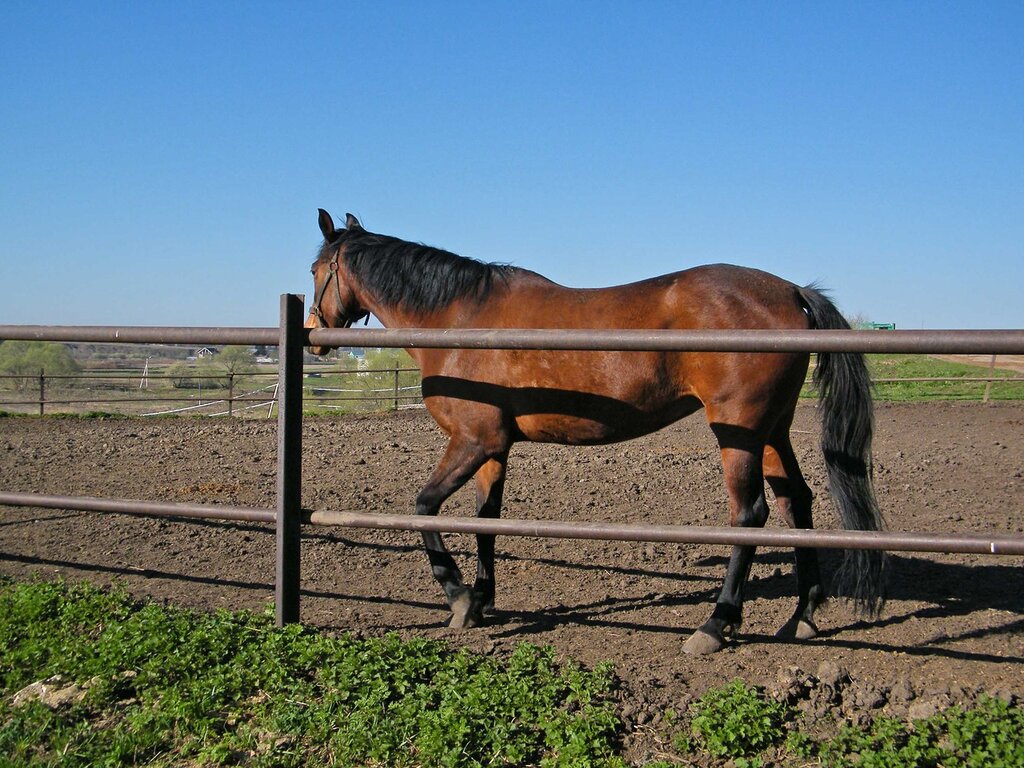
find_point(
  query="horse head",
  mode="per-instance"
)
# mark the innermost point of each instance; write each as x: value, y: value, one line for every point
x: 335, y: 300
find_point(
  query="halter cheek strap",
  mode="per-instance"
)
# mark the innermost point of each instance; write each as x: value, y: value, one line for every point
x: 319, y: 297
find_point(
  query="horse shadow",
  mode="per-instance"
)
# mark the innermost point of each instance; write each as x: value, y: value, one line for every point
x: 948, y: 591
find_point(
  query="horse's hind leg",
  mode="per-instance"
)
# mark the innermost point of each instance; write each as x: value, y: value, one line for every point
x: 490, y: 484
x: 460, y: 462
x: 747, y: 507
x: 793, y: 498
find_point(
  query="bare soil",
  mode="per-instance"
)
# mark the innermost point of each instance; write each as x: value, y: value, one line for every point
x: 1003, y: 362
x: 953, y: 627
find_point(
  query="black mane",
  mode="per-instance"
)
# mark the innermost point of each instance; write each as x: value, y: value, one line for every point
x: 414, y: 276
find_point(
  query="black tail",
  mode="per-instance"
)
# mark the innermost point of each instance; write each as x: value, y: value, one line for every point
x: 844, y: 389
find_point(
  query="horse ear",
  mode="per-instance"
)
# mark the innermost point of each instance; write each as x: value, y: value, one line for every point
x: 351, y: 222
x: 327, y: 226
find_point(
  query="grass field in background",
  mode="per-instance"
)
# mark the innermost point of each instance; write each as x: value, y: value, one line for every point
x: 921, y: 366
x: 882, y: 367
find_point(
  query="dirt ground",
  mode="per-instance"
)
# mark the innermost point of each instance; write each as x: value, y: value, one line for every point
x: 952, y: 630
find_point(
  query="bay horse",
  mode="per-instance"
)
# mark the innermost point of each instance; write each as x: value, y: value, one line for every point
x: 487, y: 400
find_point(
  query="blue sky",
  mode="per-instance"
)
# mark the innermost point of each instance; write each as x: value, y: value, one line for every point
x: 162, y: 162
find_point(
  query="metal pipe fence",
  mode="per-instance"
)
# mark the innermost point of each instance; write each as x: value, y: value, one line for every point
x: 892, y: 541
x: 951, y: 342
x: 288, y: 516
x: 139, y: 507
x: 131, y: 393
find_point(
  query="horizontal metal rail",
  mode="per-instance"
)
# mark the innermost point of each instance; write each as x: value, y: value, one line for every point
x: 894, y: 541
x: 139, y: 507
x: 211, y: 398
x: 926, y: 342
x: 90, y: 375
x: 949, y: 379
x: 977, y: 543
x: 85, y: 377
x: 994, y: 342
x: 141, y: 334
x: 118, y: 375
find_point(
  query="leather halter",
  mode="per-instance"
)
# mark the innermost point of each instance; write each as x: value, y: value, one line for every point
x: 346, y: 319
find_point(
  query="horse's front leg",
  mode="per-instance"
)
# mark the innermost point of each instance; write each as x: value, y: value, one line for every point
x: 460, y: 462
x: 490, y: 484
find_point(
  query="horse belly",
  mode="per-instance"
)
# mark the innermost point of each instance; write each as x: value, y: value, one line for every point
x: 608, y: 422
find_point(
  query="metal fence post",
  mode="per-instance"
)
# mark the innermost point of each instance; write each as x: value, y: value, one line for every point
x: 289, y: 459
x: 231, y: 394
x: 396, y: 386
x: 988, y: 384
x: 42, y: 390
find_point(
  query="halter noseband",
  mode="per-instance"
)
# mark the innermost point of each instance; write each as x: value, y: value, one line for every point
x: 346, y: 319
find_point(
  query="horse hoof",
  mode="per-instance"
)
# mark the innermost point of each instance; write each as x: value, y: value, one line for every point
x: 465, y: 614
x: 701, y: 643
x: 797, y: 629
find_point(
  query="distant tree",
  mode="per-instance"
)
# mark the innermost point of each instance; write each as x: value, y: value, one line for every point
x: 347, y: 362
x: 181, y: 375
x: 388, y: 358
x: 379, y: 387
x: 235, y: 360
x: 204, y: 374
x: 858, y: 320
x: 26, y: 359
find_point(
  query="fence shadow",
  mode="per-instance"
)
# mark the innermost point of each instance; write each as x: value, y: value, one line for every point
x: 922, y: 587
x: 948, y: 591
x: 143, y: 572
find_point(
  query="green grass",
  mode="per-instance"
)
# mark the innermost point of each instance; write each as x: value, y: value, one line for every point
x: 924, y: 367
x: 921, y: 366
x: 734, y: 721
x: 171, y: 687
x: 739, y: 723
x: 989, y: 736
x: 165, y: 687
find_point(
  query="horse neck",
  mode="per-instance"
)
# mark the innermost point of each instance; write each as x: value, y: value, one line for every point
x: 397, y: 317
x: 458, y: 313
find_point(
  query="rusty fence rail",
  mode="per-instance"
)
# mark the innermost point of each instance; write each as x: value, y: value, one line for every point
x: 892, y: 541
x: 952, y: 342
x: 290, y: 338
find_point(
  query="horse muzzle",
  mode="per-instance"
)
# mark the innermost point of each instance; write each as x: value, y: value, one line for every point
x: 312, y: 322
x: 316, y: 320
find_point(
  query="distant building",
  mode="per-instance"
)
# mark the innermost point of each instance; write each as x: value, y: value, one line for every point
x: 866, y: 326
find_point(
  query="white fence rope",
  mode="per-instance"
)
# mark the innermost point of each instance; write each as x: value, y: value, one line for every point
x: 359, y: 391
x: 218, y: 402
x: 246, y: 408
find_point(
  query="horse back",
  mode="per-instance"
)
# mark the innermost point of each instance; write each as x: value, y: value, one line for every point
x: 596, y: 397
